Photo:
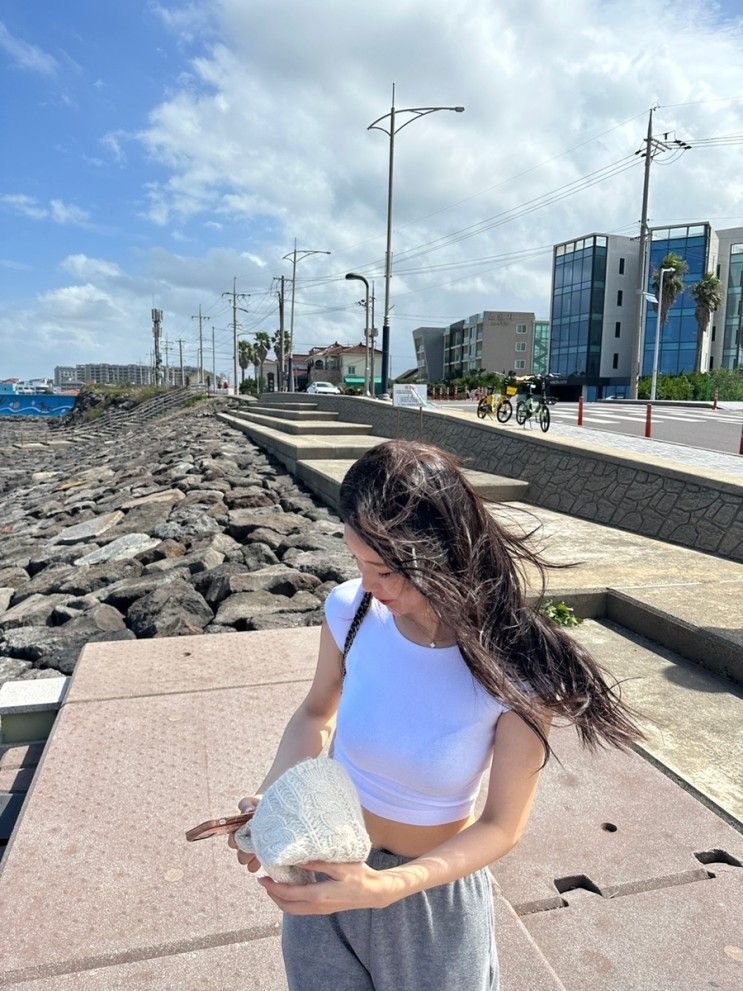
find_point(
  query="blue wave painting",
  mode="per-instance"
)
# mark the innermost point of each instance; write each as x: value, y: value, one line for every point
x: 40, y: 405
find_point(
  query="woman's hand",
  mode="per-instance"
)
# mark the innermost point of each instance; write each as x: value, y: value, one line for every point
x: 350, y: 886
x: 249, y: 860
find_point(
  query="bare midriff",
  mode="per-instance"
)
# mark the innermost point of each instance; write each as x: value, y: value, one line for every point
x: 408, y: 840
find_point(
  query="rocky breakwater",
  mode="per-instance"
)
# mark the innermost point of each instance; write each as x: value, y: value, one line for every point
x: 185, y: 528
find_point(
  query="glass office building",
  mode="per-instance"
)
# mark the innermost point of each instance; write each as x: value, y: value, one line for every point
x: 578, y: 289
x: 678, y: 342
x: 732, y: 343
x: 540, y: 363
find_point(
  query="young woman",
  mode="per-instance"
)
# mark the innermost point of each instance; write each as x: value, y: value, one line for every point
x: 431, y: 667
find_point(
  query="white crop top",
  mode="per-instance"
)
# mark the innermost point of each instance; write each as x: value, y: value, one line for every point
x: 414, y: 729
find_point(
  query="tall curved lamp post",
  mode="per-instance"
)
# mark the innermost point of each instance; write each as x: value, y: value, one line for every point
x: 656, y: 349
x: 353, y: 275
x: 296, y: 256
x: 391, y: 129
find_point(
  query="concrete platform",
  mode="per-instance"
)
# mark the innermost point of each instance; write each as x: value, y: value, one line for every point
x: 700, y: 620
x: 324, y: 476
x: 155, y: 736
x: 692, y: 931
x: 289, y: 449
x: 294, y: 412
x: 316, y: 428
x: 693, y: 719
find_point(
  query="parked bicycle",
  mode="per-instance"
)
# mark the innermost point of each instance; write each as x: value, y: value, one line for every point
x: 537, y: 408
x: 498, y: 406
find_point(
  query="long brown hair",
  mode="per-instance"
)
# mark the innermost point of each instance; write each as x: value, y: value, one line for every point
x: 412, y: 504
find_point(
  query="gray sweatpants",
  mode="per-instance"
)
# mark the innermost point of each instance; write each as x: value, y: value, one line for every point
x: 442, y: 939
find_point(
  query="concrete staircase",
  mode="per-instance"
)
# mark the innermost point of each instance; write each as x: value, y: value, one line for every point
x: 319, y: 448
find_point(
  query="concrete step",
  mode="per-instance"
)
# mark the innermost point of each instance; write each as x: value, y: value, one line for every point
x: 699, y: 620
x: 693, y: 718
x: 324, y: 477
x: 289, y: 449
x: 317, y: 428
x: 287, y: 413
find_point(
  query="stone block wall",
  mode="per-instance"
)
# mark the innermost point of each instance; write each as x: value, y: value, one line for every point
x: 681, y: 507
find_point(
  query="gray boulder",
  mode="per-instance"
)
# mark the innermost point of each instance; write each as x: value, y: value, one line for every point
x: 174, y: 610
x: 240, y: 609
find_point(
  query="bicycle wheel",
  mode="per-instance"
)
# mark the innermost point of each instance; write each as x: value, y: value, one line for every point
x: 504, y: 411
x: 544, y: 419
x: 482, y: 409
x: 522, y: 413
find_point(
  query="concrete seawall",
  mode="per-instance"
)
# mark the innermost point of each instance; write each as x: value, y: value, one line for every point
x: 644, y: 496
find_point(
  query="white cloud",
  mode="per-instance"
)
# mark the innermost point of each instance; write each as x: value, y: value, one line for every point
x: 112, y: 142
x: 83, y: 267
x: 26, y: 56
x: 58, y: 211
x: 67, y: 213
x: 28, y: 206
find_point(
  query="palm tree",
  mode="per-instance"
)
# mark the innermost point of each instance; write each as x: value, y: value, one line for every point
x: 244, y: 358
x: 673, y: 283
x: 707, y: 295
x: 262, y: 345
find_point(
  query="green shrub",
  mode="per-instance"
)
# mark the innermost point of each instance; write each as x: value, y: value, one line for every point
x: 561, y: 613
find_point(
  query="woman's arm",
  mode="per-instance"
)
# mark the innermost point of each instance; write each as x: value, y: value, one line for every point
x: 514, y: 775
x: 310, y: 727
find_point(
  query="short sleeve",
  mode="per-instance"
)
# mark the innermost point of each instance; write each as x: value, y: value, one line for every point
x: 340, y: 609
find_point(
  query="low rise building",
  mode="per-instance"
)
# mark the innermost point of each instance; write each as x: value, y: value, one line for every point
x: 343, y: 366
x: 491, y: 341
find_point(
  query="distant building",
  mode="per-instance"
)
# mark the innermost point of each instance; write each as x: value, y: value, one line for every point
x: 75, y: 376
x: 491, y: 341
x: 429, y: 353
x: 343, y: 366
x: 596, y: 286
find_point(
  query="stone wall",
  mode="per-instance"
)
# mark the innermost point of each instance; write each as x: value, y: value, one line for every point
x: 682, y: 507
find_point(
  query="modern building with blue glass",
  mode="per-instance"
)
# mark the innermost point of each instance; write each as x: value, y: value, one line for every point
x: 596, y: 287
x: 593, y: 314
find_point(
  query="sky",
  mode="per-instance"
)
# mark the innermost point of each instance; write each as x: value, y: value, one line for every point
x: 156, y: 150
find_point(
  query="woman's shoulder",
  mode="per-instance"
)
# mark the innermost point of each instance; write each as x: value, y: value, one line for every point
x: 343, y: 601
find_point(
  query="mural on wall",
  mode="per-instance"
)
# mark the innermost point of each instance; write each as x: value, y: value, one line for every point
x: 12, y: 404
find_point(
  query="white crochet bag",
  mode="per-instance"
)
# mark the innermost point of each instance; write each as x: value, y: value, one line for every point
x: 312, y: 812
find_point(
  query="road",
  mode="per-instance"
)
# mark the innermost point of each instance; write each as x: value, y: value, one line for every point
x: 705, y: 429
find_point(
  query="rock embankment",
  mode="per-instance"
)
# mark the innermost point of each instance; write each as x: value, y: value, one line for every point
x: 184, y: 528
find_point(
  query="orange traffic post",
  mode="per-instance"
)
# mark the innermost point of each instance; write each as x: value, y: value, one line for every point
x: 649, y: 420
x: 580, y: 412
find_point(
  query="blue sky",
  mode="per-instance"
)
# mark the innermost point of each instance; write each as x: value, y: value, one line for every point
x: 156, y: 150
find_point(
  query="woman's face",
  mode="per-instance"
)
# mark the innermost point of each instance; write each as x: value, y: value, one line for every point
x: 388, y: 587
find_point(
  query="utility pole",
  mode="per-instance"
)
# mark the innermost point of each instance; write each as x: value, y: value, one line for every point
x: 167, y: 362
x: 280, y: 376
x: 157, y: 319
x: 235, y: 296
x: 296, y: 256
x: 372, y: 334
x: 652, y: 147
x: 214, y: 362
x: 180, y: 348
x: 201, y: 317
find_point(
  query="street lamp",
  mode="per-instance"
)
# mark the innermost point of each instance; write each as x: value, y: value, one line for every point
x: 353, y: 275
x: 392, y: 130
x: 656, y: 350
x: 296, y: 256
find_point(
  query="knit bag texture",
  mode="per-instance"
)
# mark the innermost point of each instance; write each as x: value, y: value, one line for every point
x: 312, y: 812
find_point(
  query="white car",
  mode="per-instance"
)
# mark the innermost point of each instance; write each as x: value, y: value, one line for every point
x: 323, y: 389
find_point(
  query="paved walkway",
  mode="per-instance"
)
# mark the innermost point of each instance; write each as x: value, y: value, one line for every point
x: 679, y: 455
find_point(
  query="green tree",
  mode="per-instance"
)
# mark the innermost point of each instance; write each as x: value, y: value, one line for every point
x: 673, y: 283
x: 262, y: 347
x: 245, y: 352
x: 707, y: 295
